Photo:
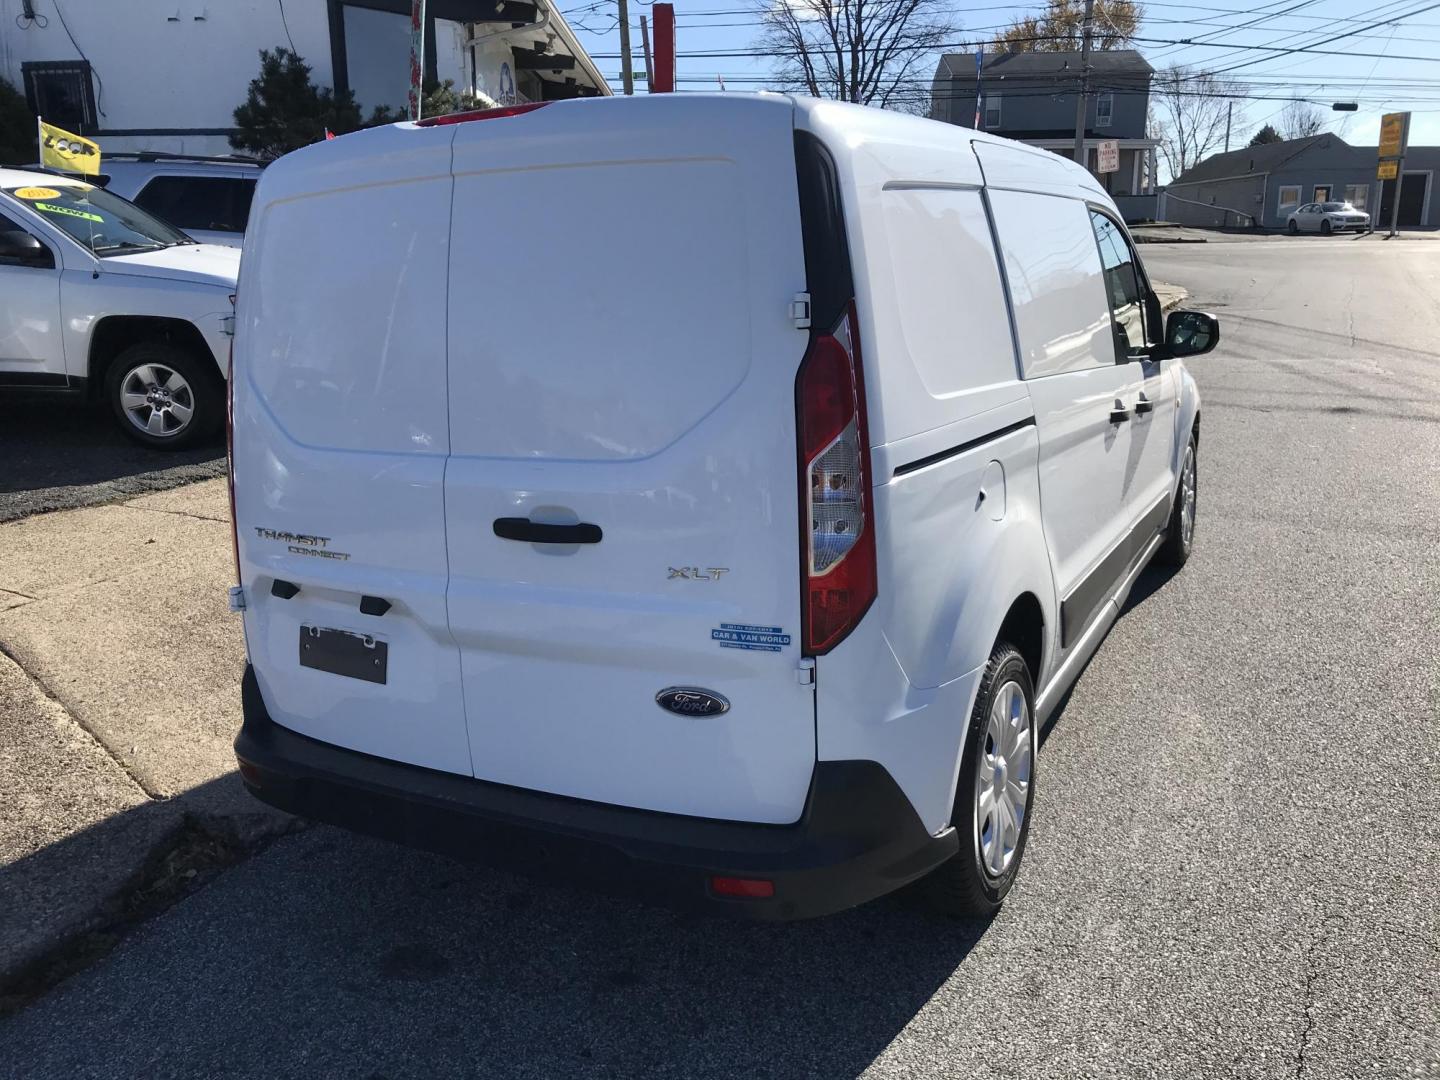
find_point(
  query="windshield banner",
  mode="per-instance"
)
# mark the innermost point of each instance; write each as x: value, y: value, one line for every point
x: 69, y: 153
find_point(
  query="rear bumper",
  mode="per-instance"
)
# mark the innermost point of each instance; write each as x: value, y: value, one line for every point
x: 857, y: 839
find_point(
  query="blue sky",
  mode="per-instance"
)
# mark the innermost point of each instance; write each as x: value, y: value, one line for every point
x: 1366, y: 73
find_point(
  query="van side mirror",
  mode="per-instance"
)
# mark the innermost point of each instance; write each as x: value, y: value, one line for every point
x: 19, y: 248
x: 1189, y: 333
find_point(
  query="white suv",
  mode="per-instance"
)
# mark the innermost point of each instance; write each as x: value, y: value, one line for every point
x: 208, y: 197
x: 97, y: 297
x: 742, y: 579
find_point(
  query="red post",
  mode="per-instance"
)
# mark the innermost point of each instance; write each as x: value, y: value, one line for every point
x: 664, y: 49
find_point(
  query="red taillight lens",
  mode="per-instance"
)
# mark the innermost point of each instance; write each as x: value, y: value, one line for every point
x: 838, y: 535
x: 230, y: 456
x: 742, y: 888
x: 480, y: 114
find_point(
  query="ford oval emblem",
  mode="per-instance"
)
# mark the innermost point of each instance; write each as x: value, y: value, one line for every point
x: 691, y: 701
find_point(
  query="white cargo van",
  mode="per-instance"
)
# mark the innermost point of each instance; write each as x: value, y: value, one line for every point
x: 708, y: 496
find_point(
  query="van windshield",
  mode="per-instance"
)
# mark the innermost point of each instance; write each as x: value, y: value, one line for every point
x: 105, y: 223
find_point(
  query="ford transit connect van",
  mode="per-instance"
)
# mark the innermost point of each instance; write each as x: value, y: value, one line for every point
x: 705, y: 496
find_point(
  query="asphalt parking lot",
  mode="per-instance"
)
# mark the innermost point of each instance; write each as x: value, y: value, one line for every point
x: 1233, y: 871
x: 60, y: 454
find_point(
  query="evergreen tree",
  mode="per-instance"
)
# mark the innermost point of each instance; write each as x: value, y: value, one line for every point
x: 284, y: 110
x: 18, y: 145
x: 1266, y: 134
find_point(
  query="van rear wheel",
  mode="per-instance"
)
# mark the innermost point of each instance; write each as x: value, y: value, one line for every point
x: 163, y: 396
x: 993, y: 793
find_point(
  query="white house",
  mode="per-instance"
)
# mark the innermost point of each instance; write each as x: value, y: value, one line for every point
x: 167, y: 75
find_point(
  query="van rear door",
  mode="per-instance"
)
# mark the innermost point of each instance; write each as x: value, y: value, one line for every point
x: 621, y: 495
x: 341, y: 435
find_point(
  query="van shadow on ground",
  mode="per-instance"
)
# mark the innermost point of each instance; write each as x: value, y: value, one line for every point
x: 59, y: 453
x: 332, y: 954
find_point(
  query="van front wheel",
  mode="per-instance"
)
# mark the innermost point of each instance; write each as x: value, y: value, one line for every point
x: 163, y: 396
x: 993, y: 793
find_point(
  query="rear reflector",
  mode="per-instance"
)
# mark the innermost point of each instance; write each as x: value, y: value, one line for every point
x: 742, y: 888
x: 480, y: 114
x: 250, y: 773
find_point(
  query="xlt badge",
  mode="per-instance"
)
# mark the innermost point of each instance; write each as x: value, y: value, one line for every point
x: 695, y: 573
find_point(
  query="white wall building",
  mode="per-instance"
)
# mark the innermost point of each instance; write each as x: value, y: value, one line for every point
x: 167, y: 74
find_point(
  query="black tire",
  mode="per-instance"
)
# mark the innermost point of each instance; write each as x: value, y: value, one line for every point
x: 963, y: 886
x: 199, y: 389
x: 1292, y: 228
x: 1325, y: 228
x: 1179, y: 541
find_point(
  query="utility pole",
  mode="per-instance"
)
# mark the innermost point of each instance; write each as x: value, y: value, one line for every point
x: 1082, y: 98
x: 1229, y: 105
x: 645, y: 44
x: 627, y: 76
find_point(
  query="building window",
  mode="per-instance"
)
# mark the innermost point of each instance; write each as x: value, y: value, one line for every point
x: 1104, y: 110
x: 1289, y: 198
x: 992, y: 111
x: 61, y: 93
x: 1322, y: 193
x: 1357, y: 195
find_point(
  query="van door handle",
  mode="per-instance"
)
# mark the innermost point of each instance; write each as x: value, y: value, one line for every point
x: 535, y: 532
x: 1144, y: 405
x: 1119, y: 415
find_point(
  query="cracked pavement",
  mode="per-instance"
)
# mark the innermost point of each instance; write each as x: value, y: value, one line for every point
x: 1234, y: 868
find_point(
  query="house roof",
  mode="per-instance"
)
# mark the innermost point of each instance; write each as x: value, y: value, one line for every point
x: 1256, y: 159
x: 1043, y: 65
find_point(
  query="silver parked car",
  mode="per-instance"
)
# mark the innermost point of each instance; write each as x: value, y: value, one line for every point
x: 1327, y: 218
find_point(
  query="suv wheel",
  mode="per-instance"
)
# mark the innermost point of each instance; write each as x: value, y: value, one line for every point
x: 163, y: 396
x: 1180, y: 534
x: 993, y: 793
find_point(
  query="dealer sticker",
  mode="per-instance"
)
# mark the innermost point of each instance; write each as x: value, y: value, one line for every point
x: 744, y: 636
x: 36, y: 193
x: 51, y: 208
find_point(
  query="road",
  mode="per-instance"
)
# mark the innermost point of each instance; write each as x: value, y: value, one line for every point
x: 1233, y: 871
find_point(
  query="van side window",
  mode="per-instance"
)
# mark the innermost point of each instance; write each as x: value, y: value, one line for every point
x: 1123, y: 286
x: 1056, y: 282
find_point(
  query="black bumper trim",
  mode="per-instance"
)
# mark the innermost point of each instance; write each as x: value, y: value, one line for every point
x: 858, y: 837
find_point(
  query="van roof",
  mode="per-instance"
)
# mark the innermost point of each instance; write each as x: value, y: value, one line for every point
x: 330, y: 163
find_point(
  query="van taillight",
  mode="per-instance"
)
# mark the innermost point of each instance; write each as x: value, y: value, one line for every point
x: 480, y: 114
x: 230, y: 456
x: 838, y: 531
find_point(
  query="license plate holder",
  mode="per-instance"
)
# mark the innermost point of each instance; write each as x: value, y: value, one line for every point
x: 344, y: 653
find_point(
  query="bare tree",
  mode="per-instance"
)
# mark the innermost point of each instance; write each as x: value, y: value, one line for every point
x: 867, y: 51
x: 1189, y: 113
x: 1300, y: 120
x: 1061, y: 25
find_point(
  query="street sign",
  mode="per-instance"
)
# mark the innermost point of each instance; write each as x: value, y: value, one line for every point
x: 1388, y: 170
x: 1108, y: 153
x: 1392, y: 134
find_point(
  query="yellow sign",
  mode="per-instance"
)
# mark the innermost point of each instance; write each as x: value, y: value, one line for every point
x: 69, y: 153
x: 1392, y: 134
x: 36, y: 193
x: 1388, y: 170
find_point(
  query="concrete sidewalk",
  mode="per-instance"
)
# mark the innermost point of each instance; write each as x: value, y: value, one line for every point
x: 119, y: 698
